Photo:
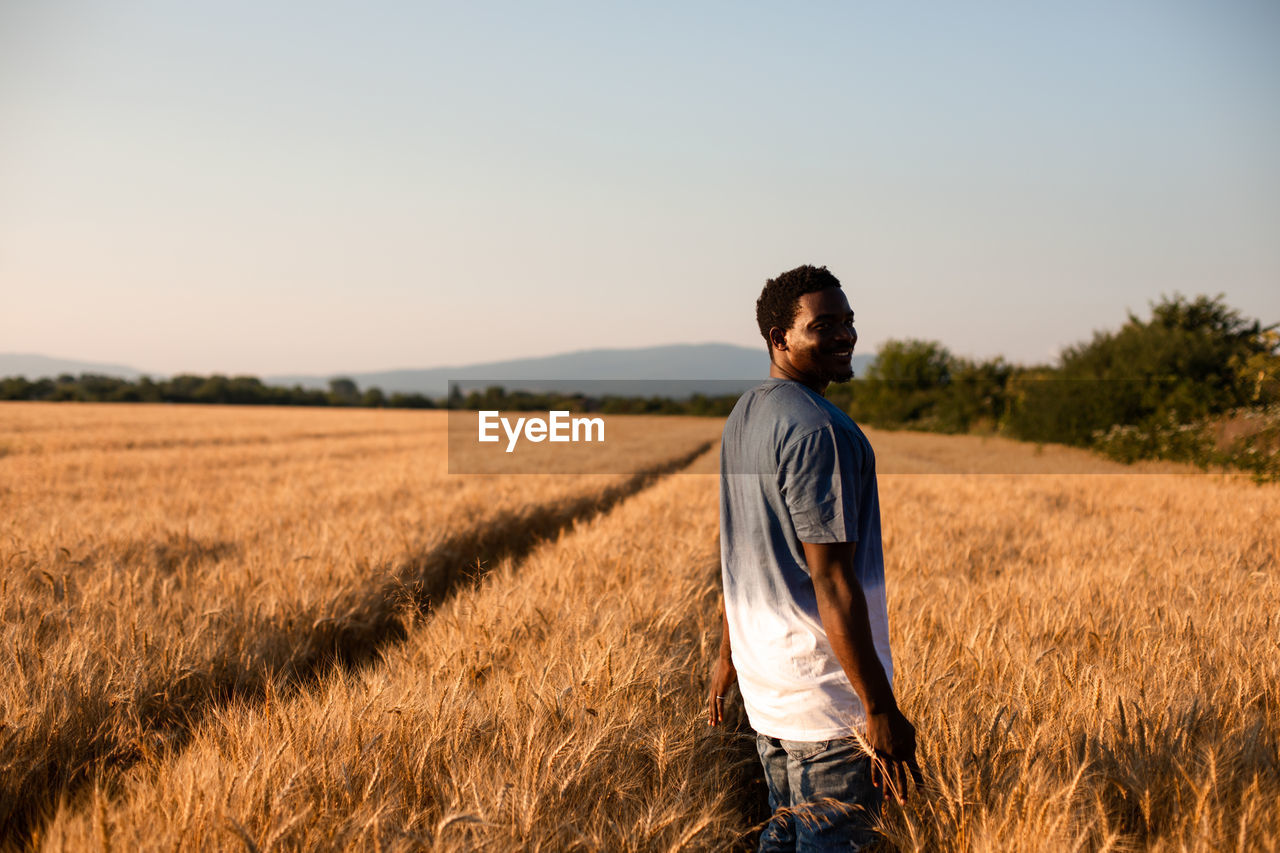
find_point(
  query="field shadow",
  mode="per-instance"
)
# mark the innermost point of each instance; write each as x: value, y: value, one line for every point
x: 274, y: 654
x: 179, y: 551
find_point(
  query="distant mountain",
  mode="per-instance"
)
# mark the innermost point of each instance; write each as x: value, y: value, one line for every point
x: 662, y: 370
x: 34, y: 367
x: 648, y: 371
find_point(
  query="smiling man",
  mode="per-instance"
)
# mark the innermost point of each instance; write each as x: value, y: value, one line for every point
x: 804, y: 620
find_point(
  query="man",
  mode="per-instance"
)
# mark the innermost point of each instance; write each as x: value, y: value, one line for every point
x: 804, y: 620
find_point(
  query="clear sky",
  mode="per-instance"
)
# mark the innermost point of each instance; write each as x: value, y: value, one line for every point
x: 264, y: 187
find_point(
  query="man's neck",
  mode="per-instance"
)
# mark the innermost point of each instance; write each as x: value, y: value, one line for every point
x: 778, y: 371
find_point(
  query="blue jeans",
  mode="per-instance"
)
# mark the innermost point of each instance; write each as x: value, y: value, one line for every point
x: 802, y: 773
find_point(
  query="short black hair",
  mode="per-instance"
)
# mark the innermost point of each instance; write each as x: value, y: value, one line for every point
x: 780, y: 300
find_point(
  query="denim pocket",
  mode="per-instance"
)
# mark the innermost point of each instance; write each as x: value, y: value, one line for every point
x: 803, y: 750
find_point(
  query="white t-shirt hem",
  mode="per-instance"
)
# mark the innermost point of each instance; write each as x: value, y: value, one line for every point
x: 809, y: 735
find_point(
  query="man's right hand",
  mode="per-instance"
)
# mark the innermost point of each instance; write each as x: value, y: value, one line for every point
x: 893, y: 739
x: 723, y: 676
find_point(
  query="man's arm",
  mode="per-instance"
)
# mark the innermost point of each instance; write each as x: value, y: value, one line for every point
x: 843, y: 611
x: 723, y: 673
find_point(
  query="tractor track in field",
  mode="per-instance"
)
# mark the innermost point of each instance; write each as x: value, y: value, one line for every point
x: 285, y: 655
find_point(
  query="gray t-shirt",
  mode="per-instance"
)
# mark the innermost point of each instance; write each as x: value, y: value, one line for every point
x: 794, y: 468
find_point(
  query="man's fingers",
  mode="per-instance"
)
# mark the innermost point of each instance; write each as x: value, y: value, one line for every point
x: 895, y: 776
x: 893, y: 786
x: 916, y: 775
x: 882, y: 774
x: 906, y: 773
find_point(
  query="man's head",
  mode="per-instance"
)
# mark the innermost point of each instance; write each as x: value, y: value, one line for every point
x: 804, y: 317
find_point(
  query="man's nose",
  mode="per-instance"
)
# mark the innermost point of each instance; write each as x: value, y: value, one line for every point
x: 849, y: 333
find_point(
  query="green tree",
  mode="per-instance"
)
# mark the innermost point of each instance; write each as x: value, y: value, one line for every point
x: 975, y: 396
x: 1258, y: 375
x: 915, y: 365
x: 343, y: 392
x: 903, y: 385
x: 1185, y: 363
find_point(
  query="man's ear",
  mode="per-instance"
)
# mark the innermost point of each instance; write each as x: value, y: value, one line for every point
x: 777, y: 339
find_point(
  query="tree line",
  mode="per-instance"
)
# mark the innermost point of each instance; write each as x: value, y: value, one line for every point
x: 1196, y: 381
x: 189, y: 388
x: 251, y: 391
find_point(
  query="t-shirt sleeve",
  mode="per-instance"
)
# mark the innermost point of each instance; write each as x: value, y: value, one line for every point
x: 818, y: 476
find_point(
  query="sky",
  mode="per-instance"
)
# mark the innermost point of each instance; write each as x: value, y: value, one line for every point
x: 268, y: 187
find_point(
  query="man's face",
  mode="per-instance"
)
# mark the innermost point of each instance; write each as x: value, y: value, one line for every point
x: 820, y: 342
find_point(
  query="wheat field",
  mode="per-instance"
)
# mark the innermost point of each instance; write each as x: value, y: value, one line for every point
x: 291, y: 629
